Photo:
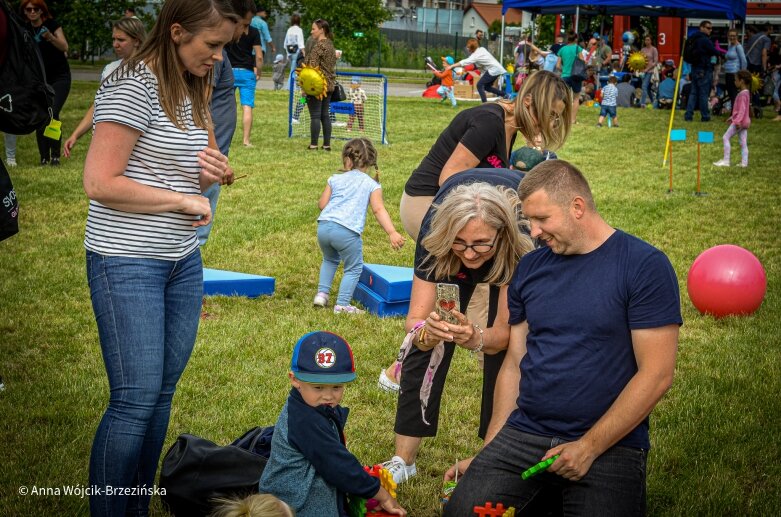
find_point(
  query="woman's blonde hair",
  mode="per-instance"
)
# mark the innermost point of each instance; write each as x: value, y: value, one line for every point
x: 499, y: 208
x: 543, y: 89
x: 362, y: 154
x: 132, y: 27
x: 255, y: 505
x: 175, y: 87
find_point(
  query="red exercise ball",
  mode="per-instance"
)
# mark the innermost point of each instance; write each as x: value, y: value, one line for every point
x: 726, y: 280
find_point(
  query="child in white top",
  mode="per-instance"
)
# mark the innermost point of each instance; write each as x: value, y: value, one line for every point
x: 339, y: 227
x: 609, y: 102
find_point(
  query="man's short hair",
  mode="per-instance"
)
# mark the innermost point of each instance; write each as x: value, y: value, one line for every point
x: 560, y: 179
x: 703, y: 23
x: 572, y: 37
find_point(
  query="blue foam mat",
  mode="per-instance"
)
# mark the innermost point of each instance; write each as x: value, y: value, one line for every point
x: 375, y: 304
x: 232, y: 283
x: 393, y: 283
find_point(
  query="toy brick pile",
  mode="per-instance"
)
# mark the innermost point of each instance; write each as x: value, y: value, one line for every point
x: 385, y: 290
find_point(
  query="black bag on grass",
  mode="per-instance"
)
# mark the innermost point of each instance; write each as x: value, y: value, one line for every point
x: 196, y: 470
x: 338, y: 95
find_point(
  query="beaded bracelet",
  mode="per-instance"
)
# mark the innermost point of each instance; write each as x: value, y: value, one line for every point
x: 478, y: 348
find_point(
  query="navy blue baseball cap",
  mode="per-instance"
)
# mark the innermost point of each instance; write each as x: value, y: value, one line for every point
x: 323, y: 358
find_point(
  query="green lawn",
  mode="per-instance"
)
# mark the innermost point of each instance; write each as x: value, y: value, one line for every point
x: 715, y: 435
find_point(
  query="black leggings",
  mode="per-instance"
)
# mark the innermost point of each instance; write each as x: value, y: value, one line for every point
x: 409, y: 421
x: 318, y: 114
x: 732, y: 90
x: 47, y: 147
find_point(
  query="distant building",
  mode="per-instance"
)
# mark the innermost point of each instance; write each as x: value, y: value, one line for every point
x: 480, y: 15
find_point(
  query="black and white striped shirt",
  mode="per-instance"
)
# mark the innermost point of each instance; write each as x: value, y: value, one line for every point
x: 163, y: 157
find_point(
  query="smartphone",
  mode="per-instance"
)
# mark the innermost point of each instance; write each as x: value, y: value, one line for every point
x: 447, y: 300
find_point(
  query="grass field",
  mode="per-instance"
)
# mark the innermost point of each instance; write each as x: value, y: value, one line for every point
x: 716, y: 435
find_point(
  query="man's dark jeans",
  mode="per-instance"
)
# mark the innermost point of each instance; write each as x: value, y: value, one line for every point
x: 701, y: 81
x: 613, y: 486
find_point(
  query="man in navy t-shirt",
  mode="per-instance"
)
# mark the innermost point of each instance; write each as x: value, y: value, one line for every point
x: 594, y: 317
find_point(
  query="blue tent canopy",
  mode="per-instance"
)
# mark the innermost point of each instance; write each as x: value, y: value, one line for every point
x: 718, y: 9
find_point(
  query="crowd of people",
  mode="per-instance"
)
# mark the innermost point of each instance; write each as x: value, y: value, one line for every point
x: 567, y: 376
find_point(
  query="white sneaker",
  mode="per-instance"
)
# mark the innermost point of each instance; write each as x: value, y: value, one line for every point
x: 743, y: 165
x: 399, y: 469
x: 321, y: 299
x: 339, y: 124
x: 386, y: 384
x: 295, y: 121
x: 11, y: 162
x: 721, y: 163
x: 347, y: 309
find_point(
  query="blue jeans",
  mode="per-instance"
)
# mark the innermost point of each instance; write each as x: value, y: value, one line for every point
x: 701, y: 81
x: 613, y: 486
x: 339, y: 245
x: 647, y: 76
x: 10, y: 146
x: 212, y: 194
x: 147, y: 313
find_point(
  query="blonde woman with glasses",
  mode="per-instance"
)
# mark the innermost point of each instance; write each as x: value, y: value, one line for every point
x: 474, y: 233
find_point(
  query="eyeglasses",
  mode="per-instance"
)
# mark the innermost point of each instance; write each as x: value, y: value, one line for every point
x: 708, y: 27
x: 32, y: 9
x: 477, y: 248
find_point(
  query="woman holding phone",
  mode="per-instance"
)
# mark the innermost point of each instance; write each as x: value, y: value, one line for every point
x: 473, y: 233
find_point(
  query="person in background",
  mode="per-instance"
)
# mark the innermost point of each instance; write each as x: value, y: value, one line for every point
x: 626, y: 92
x: 294, y: 42
x: 603, y: 55
x: 739, y: 121
x: 608, y: 106
x: 130, y: 12
x: 279, y: 72
x: 54, y: 49
x: 127, y: 35
x: 246, y: 59
x: 701, y: 73
x: 151, y: 156
x: 490, y: 68
x: 223, y: 110
x: 734, y: 61
x: 259, y: 22
x: 567, y: 56
x: 758, y: 46
x: 322, y: 56
x: 357, y: 96
x: 651, y: 59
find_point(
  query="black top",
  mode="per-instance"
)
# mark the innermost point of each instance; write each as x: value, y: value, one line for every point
x: 705, y: 50
x: 465, y: 276
x: 240, y: 52
x: 479, y: 129
x: 54, y: 61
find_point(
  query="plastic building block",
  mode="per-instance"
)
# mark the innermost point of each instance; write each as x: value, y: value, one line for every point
x: 489, y: 511
x: 536, y: 469
x: 378, y: 305
x: 392, y: 283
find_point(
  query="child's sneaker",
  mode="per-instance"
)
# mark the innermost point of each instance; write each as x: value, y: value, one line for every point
x: 616, y: 125
x: 347, y: 309
x: 743, y: 165
x: 721, y: 163
x: 399, y: 469
x: 386, y: 384
x: 321, y: 299
x: 11, y: 162
x: 599, y: 124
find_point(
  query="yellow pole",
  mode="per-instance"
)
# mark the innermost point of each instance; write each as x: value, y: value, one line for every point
x: 675, y: 103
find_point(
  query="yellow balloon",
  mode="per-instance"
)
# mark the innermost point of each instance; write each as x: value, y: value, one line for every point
x: 636, y: 62
x: 312, y: 81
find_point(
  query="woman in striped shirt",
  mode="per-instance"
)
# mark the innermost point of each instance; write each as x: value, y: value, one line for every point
x: 151, y: 156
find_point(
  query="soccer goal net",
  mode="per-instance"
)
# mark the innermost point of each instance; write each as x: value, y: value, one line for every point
x: 362, y: 113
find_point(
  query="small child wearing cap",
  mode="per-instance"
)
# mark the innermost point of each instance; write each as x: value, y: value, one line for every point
x: 310, y: 467
x: 357, y: 96
x: 445, y: 89
x: 279, y: 72
x: 609, y: 102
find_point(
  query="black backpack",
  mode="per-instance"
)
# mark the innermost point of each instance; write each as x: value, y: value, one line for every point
x: 691, y: 53
x: 25, y: 98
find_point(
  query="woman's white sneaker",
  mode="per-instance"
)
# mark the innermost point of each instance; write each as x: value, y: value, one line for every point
x: 399, y: 469
x: 386, y: 384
